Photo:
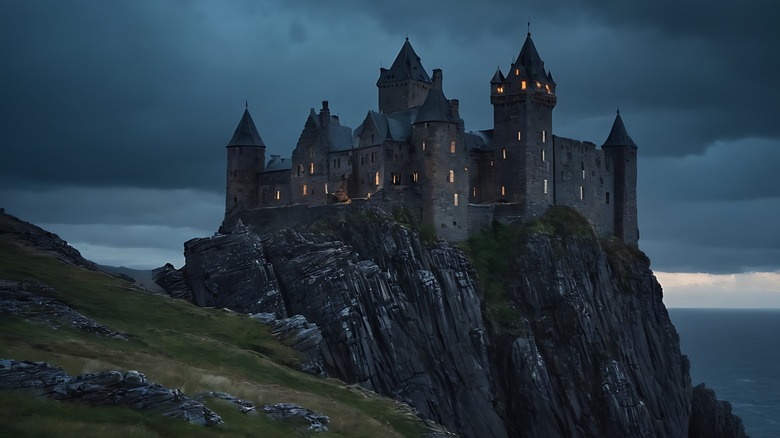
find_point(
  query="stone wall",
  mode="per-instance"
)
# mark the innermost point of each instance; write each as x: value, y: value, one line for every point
x: 243, y: 164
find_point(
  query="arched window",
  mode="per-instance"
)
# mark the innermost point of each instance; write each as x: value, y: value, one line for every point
x: 452, y: 176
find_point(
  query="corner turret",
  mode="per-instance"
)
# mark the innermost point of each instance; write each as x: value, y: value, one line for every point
x: 405, y: 85
x: 621, y: 150
x: 245, y: 159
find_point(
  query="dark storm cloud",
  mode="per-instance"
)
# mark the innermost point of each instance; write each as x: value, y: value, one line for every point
x: 107, y: 109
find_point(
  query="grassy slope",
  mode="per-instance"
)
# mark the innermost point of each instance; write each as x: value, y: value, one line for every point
x: 175, y: 344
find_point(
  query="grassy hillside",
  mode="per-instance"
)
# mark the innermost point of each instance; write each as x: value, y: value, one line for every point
x: 177, y: 345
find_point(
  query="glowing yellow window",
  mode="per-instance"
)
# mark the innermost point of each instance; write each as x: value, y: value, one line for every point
x: 452, y: 176
x: 503, y: 153
x: 500, y: 89
x: 519, y: 135
x: 452, y: 147
x: 523, y: 84
x: 304, y: 190
x: 538, y: 84
x: 415, y: 176
x: 376, y: 179
x: 548, y: 88
x: 311, y: 168
x: 503, y: 191
x: 455, y: 199
x: 517, y: 73
x: 278, y: 195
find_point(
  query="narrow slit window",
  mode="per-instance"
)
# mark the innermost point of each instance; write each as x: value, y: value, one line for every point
x: 415, y: 177
x: 544, y: 136
x: 452, y: 147
x: 326, y: 188
x: 503, y: 153
x: 474, y: 192
x: 582, y: 192
x: 607, y: 197
x: 451, y: 178
x: 279, y: 195
x: 543, y: 155
x: 423, y: 145
x: 304, y: 190
x: 583, y: 170
x: 455, y: 200
x: 519, y: 135
x: 311, y: 168
x: 503, y: 191
x: 376, y: 179
x: 523, y: 84
x: 545, y: 186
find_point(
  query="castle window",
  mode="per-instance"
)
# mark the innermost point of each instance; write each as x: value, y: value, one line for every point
x: 363, y: 159
x: 523, y: 84
x: 503, y: 191
x: 582, y: 192
x: 278, y: 195
x: 543, y: 155
x: 607, y: 197
x: 547, y: 87
x: 492, y: 163
x: 517, y: 73
x: 311, y: 168
x: 519, y: 135
x: 415, y: 177
x: 544, y: 136
x: 455, y: 200
x: 474, y: 192
x: 376, y: 179
x: 304, y: 190
x: 583, y: 170
x: 451, y: 178
x: 538, y: 84
x: 396, y: 178
x: 373, y: 157
x: 500, y: 89
x: 300, y: 170
x: 503, y: 153
x: 326, y: 188
x: 452, y: 147
x: 423, y: 145
x: 545, y: 186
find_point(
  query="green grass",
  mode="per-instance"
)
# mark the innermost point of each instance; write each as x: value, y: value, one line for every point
x: 180, y: 346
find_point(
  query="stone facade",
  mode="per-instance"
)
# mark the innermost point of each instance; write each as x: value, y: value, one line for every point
x: 415, y: 152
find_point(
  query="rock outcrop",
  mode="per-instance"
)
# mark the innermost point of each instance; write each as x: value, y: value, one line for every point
x: 712, y: 418
x: 105, y: 388
x: 574, y: 341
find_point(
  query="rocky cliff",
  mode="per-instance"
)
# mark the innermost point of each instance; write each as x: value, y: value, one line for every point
x: 565, y: 335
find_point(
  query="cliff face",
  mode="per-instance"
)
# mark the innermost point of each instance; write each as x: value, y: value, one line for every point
x: 583, y: 345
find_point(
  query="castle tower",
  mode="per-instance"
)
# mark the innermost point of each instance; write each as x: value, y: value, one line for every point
x: 523, y: 102
x: 405, y: 85
x: 245, y: 159
x: 437, y: 132
x: 621, y: 150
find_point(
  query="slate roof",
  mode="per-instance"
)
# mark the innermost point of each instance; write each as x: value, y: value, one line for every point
x: 435, y: 109
x: 246, y: 133
x: 339, y: 137
x: 618, y: 136
x: 407, y: 65
x: 530, y: 63
x: 390, y: 126
x: 277, y: 163
x: 498, y: 77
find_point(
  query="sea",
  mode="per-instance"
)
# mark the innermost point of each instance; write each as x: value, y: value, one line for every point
x: 736, y: 352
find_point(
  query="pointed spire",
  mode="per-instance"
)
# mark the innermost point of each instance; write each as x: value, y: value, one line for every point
x: 618, y: 136
x: 407, y: 65
x: 246, y: 133
x: 436, y: 107
x: 529, y: 59
x: 498, y: 77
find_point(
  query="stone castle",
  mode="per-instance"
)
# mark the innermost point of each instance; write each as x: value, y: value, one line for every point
x: 416, y: 153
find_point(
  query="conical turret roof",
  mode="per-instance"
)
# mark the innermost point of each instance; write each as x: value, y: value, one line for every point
x: 618, y: 136
x: 407, y: 65
x: 498, y: 77
x: 436, y: 107
x: 246, y: 133
x: 530, y: 60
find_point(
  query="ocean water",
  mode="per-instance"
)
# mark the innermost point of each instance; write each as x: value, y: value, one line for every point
x: 736, y: 352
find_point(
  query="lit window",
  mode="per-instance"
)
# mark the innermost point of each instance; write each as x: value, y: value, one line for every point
x: 311, y: 168
x: 607, y: 197
x: 503, y: 153
x: 368, y: 195
x: 326, y: 188
x: 547, y: 87
x: 500, y: 89
x: 538, y: 84
x: 423, y: 145
x: 582, y: 192
x: 452, y: 176
x: 583, y: 170
x: 523, y: 84
x: 544, y: 136
x: 376, y: 179
x: 415, y: 176
x: 455, y: 200
x: 517, y: 73
x: 545, y: 186
x: 503, y: 191
x: 583, y: 174
x: 492, y: 162
x: 304, y: 190
x: 519, y: 135
x: 452, y: 147
x: 279, y: 196
x: 474, y: 192
x: 542, y: 154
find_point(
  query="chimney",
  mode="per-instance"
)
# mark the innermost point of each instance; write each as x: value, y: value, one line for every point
x: 436, y: 79
x: 325, y: 115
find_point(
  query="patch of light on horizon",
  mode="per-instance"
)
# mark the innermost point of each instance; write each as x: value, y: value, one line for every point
x: 703, y: 290
x: 133, y: 258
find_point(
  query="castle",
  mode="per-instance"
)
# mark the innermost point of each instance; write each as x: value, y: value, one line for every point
x: 415, y: 152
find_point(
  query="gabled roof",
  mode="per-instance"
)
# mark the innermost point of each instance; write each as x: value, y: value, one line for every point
x: 246, y: 133
x: 529, y: 61
x: 407, y: 65
x: 339, y: 137
x: 277, y: 163
x: 618, y: 136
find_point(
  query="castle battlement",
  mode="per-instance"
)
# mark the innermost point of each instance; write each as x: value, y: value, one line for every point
x: 415, y: 152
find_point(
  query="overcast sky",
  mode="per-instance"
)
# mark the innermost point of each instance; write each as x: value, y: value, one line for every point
x: 114, y: 114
